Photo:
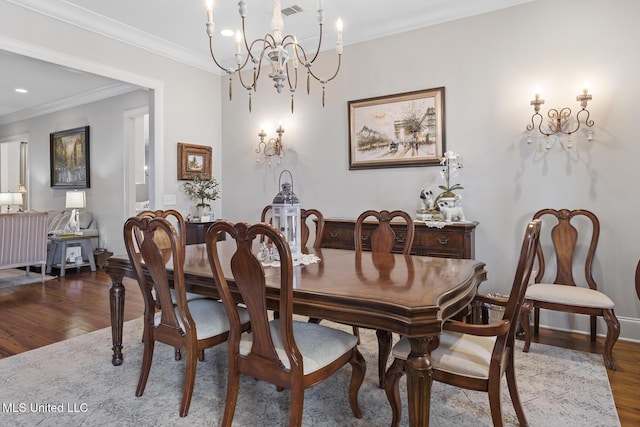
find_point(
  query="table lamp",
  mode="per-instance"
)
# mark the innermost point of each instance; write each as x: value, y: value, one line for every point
x: 10, y: 199
x: 75, y: 200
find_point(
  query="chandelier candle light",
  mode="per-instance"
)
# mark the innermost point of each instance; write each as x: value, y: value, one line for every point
x: 284, y: 53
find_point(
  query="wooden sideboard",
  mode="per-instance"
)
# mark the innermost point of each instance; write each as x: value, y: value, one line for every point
x: 456, y: 240
x: 195, y: 232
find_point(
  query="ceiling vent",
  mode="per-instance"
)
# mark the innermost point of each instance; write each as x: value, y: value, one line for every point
x: 291, y: 10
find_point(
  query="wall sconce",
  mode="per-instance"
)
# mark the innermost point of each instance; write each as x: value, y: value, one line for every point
x: 271, y: 147
x: 559, y: 119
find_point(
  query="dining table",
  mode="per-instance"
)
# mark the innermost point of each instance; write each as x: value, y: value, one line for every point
x: 405, y: 294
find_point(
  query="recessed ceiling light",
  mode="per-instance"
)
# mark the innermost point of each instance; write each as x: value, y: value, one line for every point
x: 19, y: 90
x: 227, y: 32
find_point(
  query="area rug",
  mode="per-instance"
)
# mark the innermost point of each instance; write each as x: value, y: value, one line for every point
x: 73, y: 383
x: 16, y: 277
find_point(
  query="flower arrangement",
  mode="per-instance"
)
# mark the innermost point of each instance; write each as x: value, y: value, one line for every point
x: 202, y: 189
x: 451, y: 168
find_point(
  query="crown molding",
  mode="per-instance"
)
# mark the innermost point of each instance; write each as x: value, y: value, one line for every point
x: 72, y: 14
x: 98, y: 94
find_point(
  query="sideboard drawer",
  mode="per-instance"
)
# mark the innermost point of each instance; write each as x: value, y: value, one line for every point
x: 439, y: 239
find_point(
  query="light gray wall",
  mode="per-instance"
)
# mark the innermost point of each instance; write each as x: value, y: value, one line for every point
x: 489, y: 66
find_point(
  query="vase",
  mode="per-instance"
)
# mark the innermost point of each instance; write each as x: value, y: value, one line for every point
x: 205, y: 214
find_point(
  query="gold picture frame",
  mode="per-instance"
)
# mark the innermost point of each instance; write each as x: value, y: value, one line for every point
x: 194, y: 160
x: 402, y: 130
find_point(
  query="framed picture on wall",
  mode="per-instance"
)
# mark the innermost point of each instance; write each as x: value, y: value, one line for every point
x: 69, y: 158
x: 194, y: 160
x: 401, y: 130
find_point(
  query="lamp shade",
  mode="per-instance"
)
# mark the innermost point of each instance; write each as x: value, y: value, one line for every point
x: 76, y: 200
x: 17, y: 198
x: 6, y: 199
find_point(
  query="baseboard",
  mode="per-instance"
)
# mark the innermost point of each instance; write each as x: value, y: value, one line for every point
x: 629, y: 329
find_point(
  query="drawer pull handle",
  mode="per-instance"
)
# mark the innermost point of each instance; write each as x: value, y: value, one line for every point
x: 401, y: 239
x: 334, y: 234
x: 365, y: 238
x: 443, y: 240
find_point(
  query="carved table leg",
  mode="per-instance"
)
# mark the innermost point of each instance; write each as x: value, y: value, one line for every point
x: 384, y: 350
x: 419, y: 380
x: 116, y: 298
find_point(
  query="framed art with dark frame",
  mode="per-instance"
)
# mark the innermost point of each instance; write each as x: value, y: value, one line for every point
x: 402, y: 130
x: 69, y: 158
x: 194, y: 160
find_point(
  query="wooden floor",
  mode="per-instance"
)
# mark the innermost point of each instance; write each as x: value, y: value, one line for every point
x: 33, y: 316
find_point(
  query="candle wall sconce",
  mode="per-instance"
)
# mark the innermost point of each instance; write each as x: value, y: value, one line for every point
x: 271, y: 147
x: 560, y: 120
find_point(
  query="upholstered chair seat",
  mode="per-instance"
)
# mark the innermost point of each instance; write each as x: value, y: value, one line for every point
x: 209, y: 316
x: 571, y: 295
x: 335, y: 343
x: 459, y: 354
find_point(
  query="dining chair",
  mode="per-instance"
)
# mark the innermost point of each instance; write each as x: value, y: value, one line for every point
x: 383, y: 238
x: 162, y: 240
x: 563, y: 294
x: 476, y: 357
x: 190, y: 325
x: 290, y: 354
x: 305, y: 230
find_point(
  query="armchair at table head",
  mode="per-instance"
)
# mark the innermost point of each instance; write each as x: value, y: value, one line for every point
x: 283, y: 352
x: 169, y: 318
x: 563, y: 294
x: 476, y: 357
x: 382, y: 239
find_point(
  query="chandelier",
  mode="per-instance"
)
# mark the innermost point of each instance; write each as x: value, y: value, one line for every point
x: 283, y: 53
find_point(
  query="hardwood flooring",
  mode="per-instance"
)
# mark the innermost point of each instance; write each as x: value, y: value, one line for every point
x: 33, y: 316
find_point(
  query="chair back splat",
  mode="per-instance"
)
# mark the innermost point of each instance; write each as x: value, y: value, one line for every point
x: 290, y: 354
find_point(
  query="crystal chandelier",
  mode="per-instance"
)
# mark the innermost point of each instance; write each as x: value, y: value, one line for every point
x: 283, y: 53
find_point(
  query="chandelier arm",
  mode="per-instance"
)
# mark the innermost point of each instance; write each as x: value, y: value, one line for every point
x: 293, y: 87
x: 319, y: 44
x: 259, y: 62
x: 308, y: 65
x: 227, y: 70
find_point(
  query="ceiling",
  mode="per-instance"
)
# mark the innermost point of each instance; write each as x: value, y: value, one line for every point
x: 176, y: 29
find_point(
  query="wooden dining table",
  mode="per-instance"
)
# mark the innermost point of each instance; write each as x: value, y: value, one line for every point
x: 406, y: 294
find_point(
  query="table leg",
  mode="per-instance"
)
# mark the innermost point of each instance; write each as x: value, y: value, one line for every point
x: 116, y: 298
x: 53, y: 246
x: 419, y: 379
x: 89, y: 252
x: 63, y: 258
